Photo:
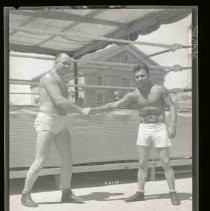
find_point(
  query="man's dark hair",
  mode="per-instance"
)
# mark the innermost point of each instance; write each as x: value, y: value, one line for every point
x: 140, y: 67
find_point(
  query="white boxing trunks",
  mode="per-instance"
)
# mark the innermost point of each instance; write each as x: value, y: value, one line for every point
x: 50, y: 122
x: 153, y: 134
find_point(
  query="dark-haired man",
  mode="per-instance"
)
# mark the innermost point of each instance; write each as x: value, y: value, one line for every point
x: 151, y: 100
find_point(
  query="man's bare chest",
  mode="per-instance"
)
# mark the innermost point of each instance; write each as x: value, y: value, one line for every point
x: 153, y: 98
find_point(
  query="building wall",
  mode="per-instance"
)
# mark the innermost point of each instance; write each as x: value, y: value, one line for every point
x: 107, y: 76
x: 110, y: 76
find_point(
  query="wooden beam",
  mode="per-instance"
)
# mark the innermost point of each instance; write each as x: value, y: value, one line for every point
x: 24, y: 93
x: 51, y: 58
x: 103, y: 167
x: 37, y: 49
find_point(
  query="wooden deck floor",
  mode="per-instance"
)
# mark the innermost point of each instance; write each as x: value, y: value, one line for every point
x: 111, y: 197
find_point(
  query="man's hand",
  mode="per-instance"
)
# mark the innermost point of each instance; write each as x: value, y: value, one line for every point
x: 94, y: 110
x: 172, y: 132
x: 86, y: 111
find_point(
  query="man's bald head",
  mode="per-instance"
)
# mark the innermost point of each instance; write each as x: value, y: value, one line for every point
x: 63, y: 56
x: 62, y: 63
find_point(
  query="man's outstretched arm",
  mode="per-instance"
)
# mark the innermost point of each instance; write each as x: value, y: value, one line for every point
x: 55, y: 94
x: 113, y: 105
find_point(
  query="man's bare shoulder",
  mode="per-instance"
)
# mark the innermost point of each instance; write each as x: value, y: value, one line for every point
x: 48, y: 78
x: 132, y: 95
x: 160, y: 88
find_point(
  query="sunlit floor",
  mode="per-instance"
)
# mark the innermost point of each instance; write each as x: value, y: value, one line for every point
x: 111, y: 197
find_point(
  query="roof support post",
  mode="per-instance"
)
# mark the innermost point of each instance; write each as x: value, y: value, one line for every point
x: 76, y: 88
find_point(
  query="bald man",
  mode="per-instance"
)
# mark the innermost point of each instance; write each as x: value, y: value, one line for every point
x: 50, y: 126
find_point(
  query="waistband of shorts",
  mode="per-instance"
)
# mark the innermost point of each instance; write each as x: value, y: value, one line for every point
x: 51, y: 115
x: 151, y: 125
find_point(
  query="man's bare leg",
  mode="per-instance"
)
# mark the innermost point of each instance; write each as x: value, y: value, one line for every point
x: 63, y: 144
x: 43, y: 145
x: 143, y: 153
x: 164, y: 155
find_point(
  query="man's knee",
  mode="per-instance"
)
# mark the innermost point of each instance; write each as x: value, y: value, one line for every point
x: 143, y: 164
x: 166, y: 163
x: 65, y: 131
x: 38, y: 164
x: 66, y: 160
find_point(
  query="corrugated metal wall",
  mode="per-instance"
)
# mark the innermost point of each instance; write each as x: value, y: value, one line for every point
x: 102, y: 137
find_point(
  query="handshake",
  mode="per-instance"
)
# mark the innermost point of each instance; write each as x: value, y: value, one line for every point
x: 86, y: 111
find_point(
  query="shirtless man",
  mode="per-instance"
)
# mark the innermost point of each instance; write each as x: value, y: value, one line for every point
x: 50, y: 126
x: 150, y: 100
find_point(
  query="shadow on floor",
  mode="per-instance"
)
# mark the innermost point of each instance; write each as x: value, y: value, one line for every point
x: 100, y: 196
x: 50, y: 202
x: 97, y: 196
x: 104, y: 196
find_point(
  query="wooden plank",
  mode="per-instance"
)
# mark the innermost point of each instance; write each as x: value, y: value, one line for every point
x: 78, y: 169
x: 176, y: 172
x: 104, y: 167
x: 23, y: 173
x: 181, y: 162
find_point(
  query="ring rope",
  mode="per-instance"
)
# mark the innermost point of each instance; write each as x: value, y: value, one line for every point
x: 102, y: 64
x: 22, y: 82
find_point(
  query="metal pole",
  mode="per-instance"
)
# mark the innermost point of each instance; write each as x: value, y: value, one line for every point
x: 76, y: 88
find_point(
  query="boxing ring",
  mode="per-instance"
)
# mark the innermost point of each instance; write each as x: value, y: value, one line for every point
x: 105, y: 141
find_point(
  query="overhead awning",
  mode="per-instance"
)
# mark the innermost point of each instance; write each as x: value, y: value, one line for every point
x: 81, y: 31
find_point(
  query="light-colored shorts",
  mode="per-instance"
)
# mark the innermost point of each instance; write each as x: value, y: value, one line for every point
x: 50, y: 122
x: 153, y: 134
